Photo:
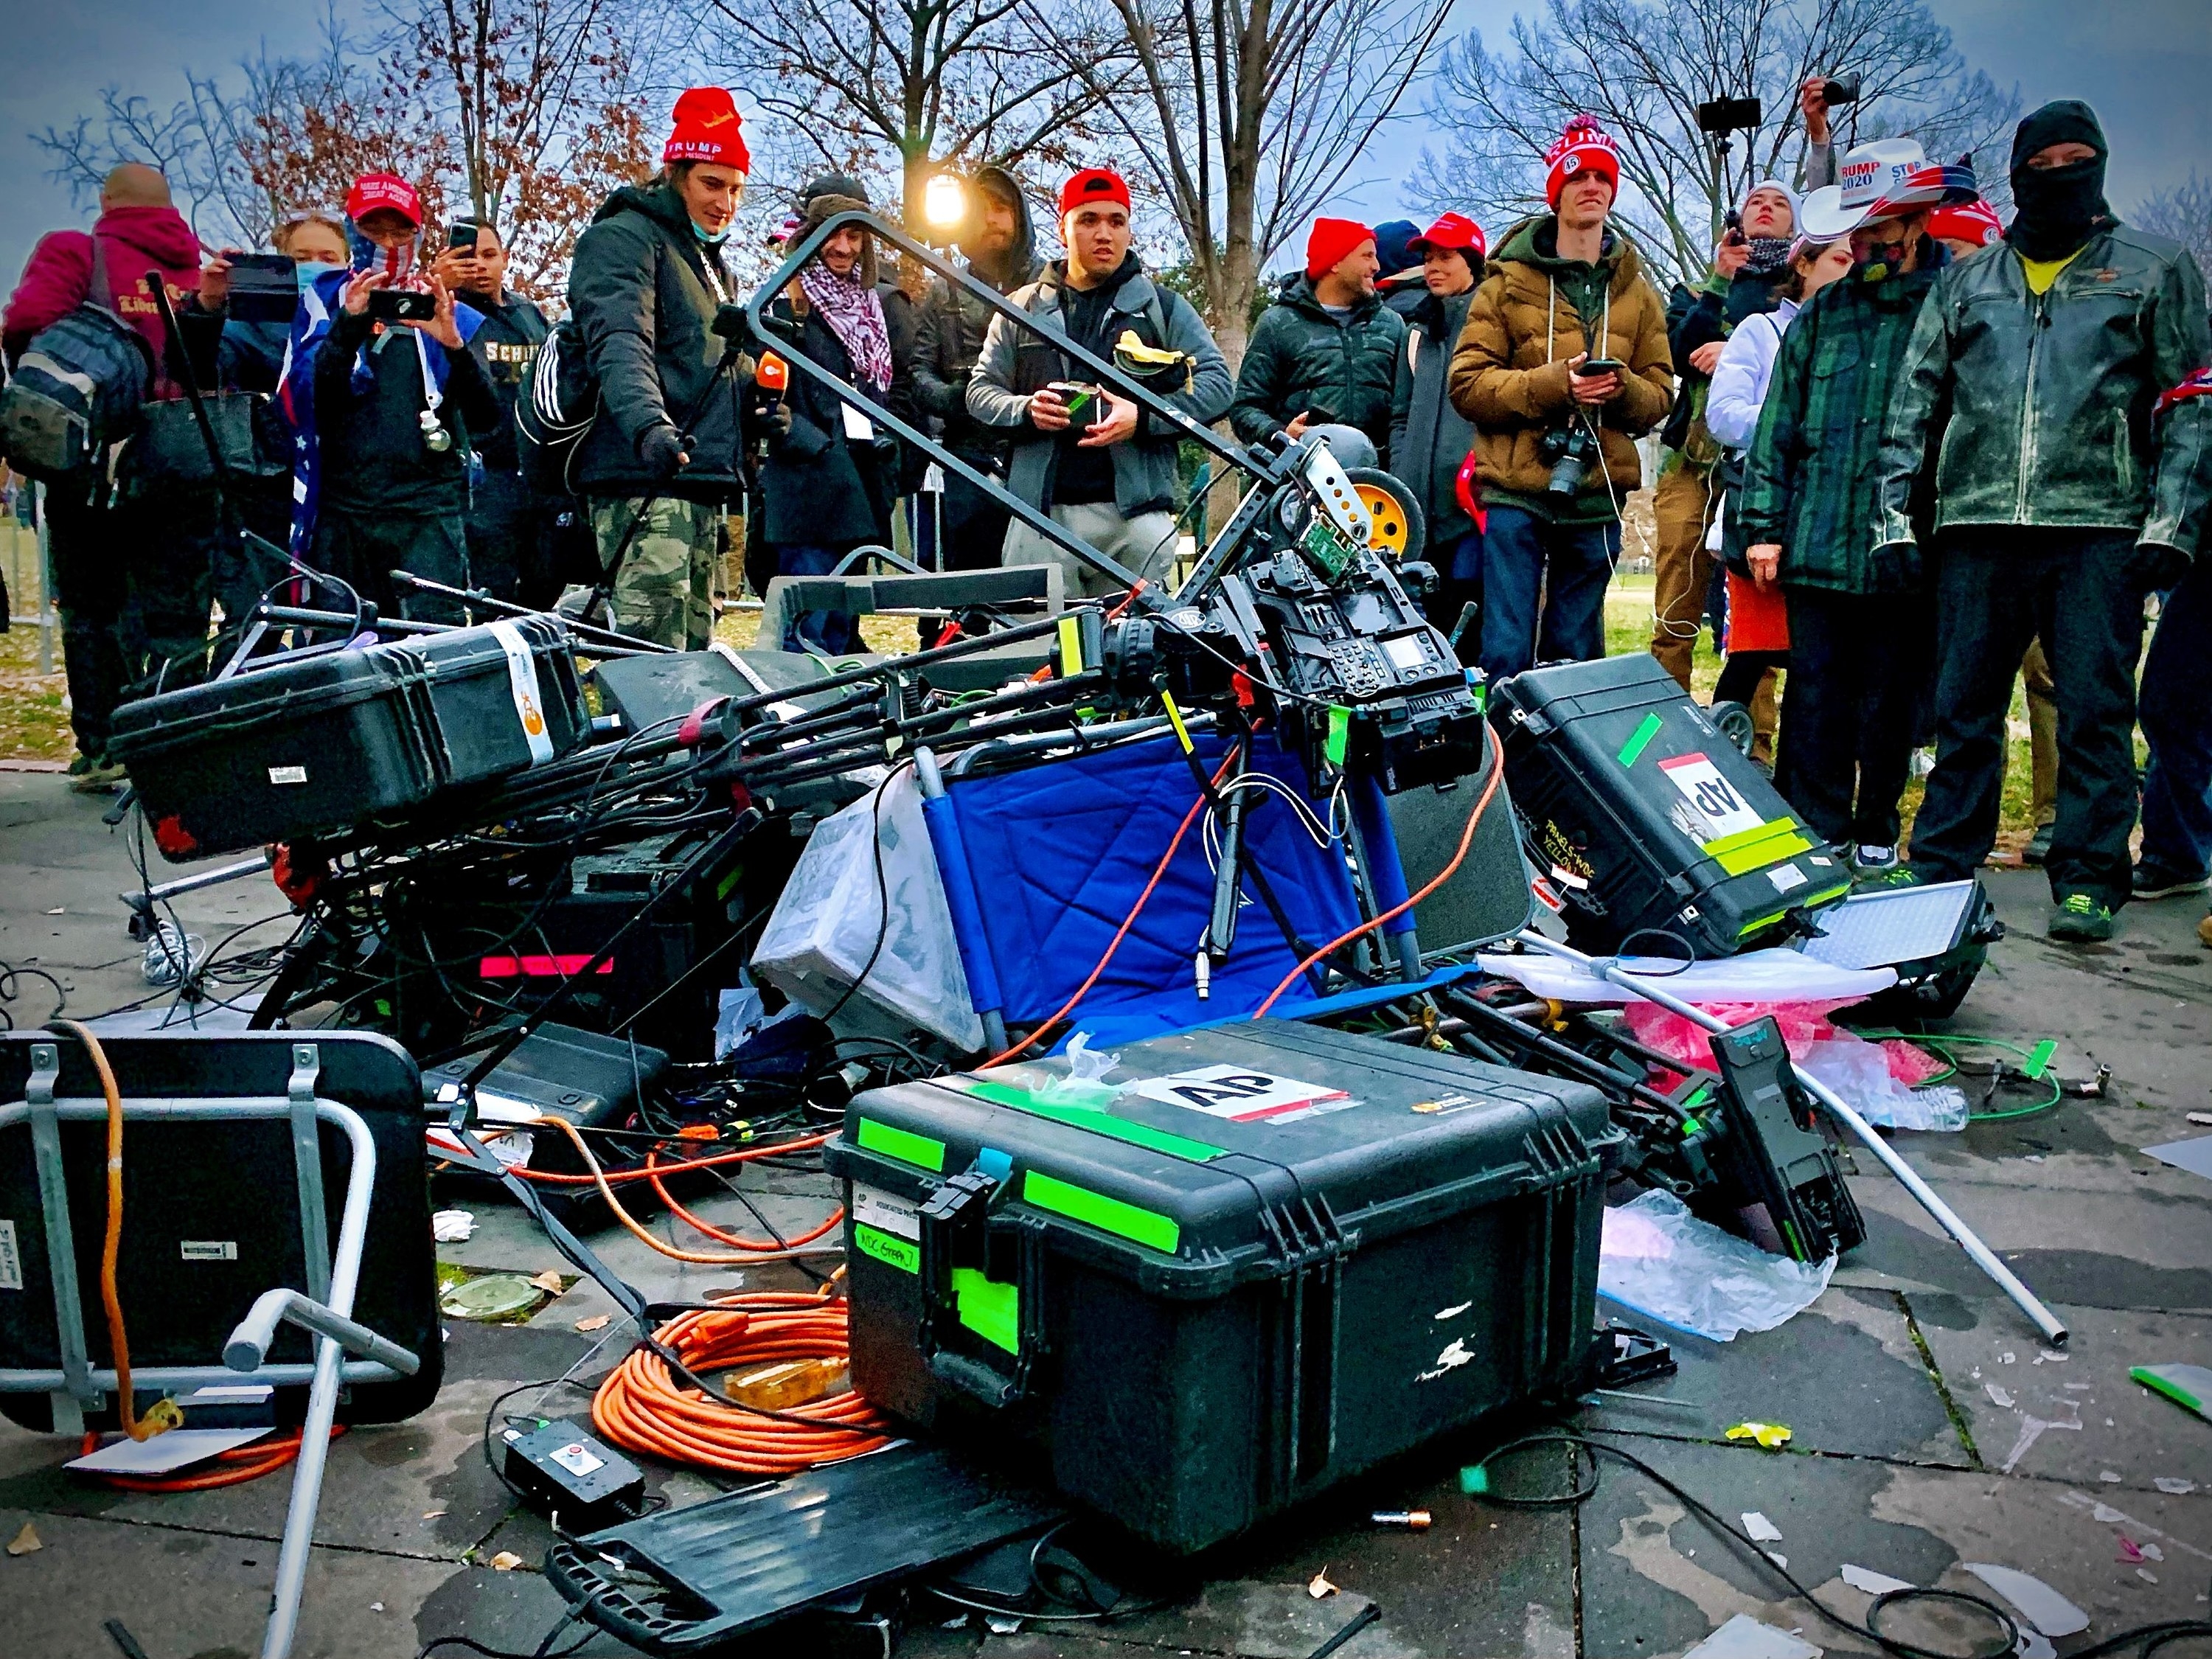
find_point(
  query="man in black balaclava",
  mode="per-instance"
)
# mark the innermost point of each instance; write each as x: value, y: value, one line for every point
x: 2059, y: 503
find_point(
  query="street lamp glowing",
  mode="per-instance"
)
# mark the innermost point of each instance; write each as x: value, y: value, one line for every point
x: 944, y: 200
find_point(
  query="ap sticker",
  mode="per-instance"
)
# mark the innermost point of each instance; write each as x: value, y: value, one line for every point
x: 1240, y: 1094
x: 1711, y: 795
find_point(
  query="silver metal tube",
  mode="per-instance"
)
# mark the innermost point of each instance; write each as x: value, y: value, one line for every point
x: 306, y: 1497
x: 249, y: 1343
x: 1980, y: 1254
x: 174, y: 1379
x: 192, y: 884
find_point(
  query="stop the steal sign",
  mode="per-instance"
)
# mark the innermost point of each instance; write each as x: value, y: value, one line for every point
x: 1238, y: 1093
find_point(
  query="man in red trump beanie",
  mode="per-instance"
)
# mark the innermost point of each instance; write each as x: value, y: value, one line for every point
x: 1326, y: 351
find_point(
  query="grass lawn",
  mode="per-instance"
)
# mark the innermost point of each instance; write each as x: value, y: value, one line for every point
x: 34, y: 721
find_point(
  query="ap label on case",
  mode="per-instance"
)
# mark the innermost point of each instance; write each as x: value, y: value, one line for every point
x: 1711, y: 795
x: 1241, y: 1094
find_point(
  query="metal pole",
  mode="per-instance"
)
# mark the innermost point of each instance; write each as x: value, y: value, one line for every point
x: 1980, y: 1254
x: 49, y: 618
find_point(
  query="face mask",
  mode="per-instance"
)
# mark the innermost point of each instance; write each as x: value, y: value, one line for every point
x: 2060, y: 208
x: 308, y: 270
x: 705, y: 240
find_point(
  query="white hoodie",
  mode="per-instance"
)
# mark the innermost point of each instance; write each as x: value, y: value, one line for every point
x: 1739, y: 377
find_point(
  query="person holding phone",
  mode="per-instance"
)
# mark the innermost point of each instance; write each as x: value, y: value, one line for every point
x: 386, y: 395
x: 511, y: 527
x: 1562, y: 365
x: 1092, y: 459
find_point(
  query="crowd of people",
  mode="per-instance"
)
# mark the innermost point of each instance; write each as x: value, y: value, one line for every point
x: 1908, y: 452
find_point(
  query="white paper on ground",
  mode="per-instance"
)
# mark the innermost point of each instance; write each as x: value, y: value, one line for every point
x: 2194, y: 1155
x: 165, y: 1453
x: 451, y: 1226
x: 1873, y: 1582
x: 1744, y: 1637
x: 1770, y: 975
x: 1757, y: 1529
x: 2037, y: 1602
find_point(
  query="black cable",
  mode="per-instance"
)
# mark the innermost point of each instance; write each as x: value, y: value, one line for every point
x: 2151, y: 1635
x: 883, y: 896
x: 8, y: 975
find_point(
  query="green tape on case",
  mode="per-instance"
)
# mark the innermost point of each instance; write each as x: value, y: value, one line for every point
x: 1633, y: 749
x: 1146, y: 1227
x: 901, y: 1253
x: 989, y: 1309
x: 903, y: 1145
x: 1339, y: 741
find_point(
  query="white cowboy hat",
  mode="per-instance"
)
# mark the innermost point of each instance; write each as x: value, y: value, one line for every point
x: 1878, y: 181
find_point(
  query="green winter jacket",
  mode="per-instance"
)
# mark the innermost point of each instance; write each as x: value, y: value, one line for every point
x: 1810, y: 475
x: 2049, y: 397
x: 1301, y: 358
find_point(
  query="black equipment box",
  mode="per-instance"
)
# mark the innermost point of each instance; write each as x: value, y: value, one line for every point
x: 316, y: 743
x: 1642, y: 816
x: 1769, y: 1148
x: 1257, y: 1260
x: 557, y: 1071
x: 211, y: 1210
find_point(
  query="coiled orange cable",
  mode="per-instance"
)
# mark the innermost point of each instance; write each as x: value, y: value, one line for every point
x: 641, y: 1408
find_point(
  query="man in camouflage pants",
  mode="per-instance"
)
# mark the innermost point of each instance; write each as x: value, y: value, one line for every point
x: 664, y: 589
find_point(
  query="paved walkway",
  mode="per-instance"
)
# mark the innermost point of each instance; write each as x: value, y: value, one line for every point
x: 1931, y: 1427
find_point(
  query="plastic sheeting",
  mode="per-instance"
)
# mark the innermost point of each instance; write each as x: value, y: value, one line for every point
x: 836, y: 924
x: 1770, y: 975
x: 1658, y: 1260
x: 1877, y: 1081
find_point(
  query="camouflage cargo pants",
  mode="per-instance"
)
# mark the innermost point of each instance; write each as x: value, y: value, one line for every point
x: 665, y: 590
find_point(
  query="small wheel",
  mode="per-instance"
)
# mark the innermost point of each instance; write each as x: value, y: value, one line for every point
x: 1398, y: 532
x: 1733, y: 722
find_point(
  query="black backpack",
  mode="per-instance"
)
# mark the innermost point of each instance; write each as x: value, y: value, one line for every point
x: 76, y: 391
x: 554, y: 412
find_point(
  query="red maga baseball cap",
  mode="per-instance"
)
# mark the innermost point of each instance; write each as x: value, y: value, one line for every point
x: 373, y: 191
x: 1454, y: 231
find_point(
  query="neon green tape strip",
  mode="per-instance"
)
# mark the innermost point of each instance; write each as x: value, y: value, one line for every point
x: 901, y: 1253
x: 1742, y: 860
x: 989, y: 1309
x: 1633, y: 749
x: 2039, y: 1057
x: 1096, y: 1122
x: 1175, y: 718
x: 1749, y: 837
x: 1339, y: 733
x: 1811, y: 902
x: 1145, y: 1227
x: 2151, y: 1378
x: 904, y: 1146
x: 728, y: 883
x: 1071, y: 648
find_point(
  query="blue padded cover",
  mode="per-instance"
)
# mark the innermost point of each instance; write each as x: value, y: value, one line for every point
x: 1052, y: 858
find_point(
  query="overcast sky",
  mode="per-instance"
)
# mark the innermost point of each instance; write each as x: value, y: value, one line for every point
x: 2146, y: 64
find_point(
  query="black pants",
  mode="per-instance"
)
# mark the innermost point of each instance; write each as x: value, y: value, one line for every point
x: 509, y: 533
x: 1998, y: 590
x: 364, y: 549
x: 1856, y: 666
x: 1742, y: 672
x: 132, y: 582
x: 975, y: 524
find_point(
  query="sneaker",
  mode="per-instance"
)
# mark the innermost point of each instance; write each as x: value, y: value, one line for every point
x: 2079, y: 919
x: 81, y: 764
x: 102, y: 777
x: 2039, y: 845
x: 2154, y: 880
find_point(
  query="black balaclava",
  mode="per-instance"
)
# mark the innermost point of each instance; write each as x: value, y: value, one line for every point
x: 2059, y: 209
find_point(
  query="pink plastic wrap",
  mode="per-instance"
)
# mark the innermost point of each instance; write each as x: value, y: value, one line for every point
x: 1803, y: 1024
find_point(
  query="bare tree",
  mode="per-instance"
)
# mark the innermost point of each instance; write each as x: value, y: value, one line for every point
x: 2183, y: 212
x: 1642, y: 67
x: 1248, y: 115
x: 196, y: 142
x: 895, y: 88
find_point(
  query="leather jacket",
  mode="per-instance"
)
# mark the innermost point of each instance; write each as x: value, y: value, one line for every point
x: 2036, y: 410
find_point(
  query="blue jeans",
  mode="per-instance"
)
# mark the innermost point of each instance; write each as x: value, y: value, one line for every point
x: 1529, y: 564
x: 2176, y: 713
x: 825, y: 631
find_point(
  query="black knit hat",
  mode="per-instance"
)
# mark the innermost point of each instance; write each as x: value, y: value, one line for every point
x: 2068, y: 121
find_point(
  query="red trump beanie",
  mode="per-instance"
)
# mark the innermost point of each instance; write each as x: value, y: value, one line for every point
x: 1331, y: 241
x: 1584, y: 147
x: 706, y: 130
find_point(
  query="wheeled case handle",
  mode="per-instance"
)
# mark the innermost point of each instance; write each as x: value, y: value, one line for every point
x: 957, y: 1226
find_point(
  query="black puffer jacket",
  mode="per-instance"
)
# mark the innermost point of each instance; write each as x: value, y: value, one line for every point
x: 950, y: 331
x: 1430, y: 439
x: 644, y: 290
x: 1300, y: 359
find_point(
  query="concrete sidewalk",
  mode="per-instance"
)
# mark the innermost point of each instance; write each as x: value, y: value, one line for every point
x: 1931, y: 1428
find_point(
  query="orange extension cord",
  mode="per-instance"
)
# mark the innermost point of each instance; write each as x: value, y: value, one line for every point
x: 641, y: 1408
x: 1466, y: 840
x: 233, y: 1467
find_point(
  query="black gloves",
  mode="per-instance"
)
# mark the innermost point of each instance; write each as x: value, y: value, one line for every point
x: 662, y: 451
x: 2153, y: 567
